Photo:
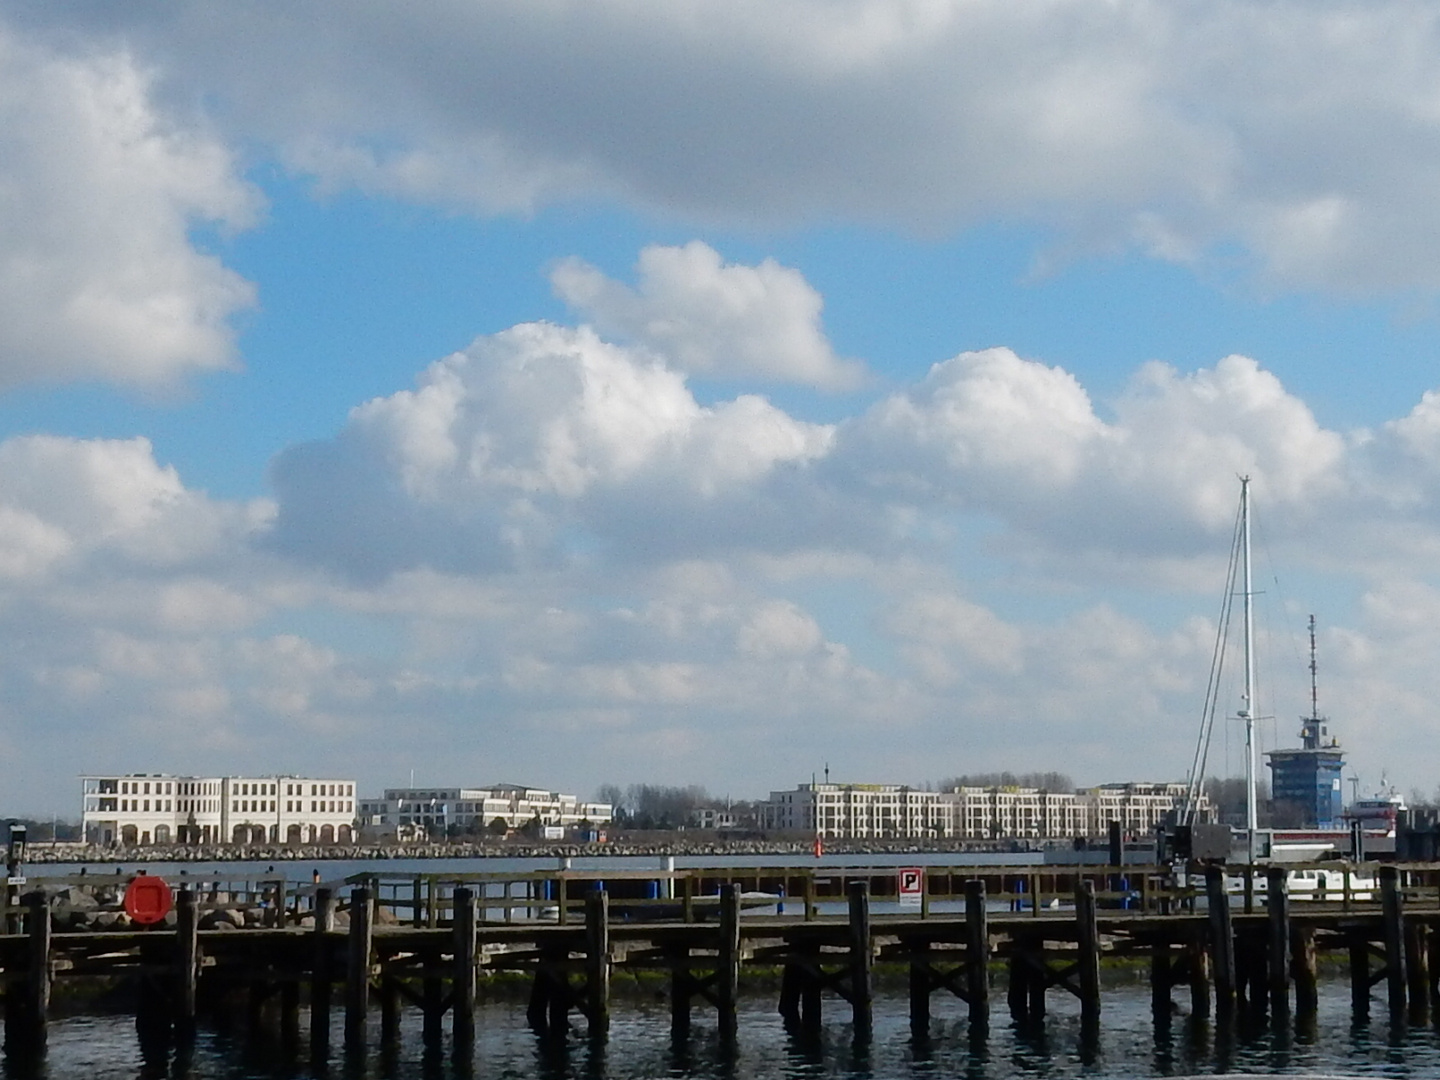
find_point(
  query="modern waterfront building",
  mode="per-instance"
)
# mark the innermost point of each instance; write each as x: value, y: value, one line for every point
x: 477, y: 809
x: 863, y: 811
x: 141, y: 809
x: 857, y: 811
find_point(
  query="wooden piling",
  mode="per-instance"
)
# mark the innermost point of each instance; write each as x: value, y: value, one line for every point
x: 727, y: 960
x: 1417, y: 968
x: 1222, y: 940
x: 321, y: 973
x: 1160, y: 975
x: 462, y: 1021
x: 1200, y: 982
x: 187, y: 962
x: 1017, y: 990
x: 357, y: 974
x: 1088, y: 942
x: 27, y: 1001
x: 682, y: 989
x: 1277, y: 945
x: 1359, y: 949
x: 432, y: 1004
x: 861, y: 955
x: 977, y: 951
x: 1305, y: 967
x: 290, y: 1012
x: 1432, y: 967
x: 1392, y: 917
x: 597, y: 959
x: 389, y: 1010
x: 919, y: 986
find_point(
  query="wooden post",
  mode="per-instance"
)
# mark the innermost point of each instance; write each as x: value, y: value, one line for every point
x: 861, y: 955
x: 1417, y: 967
x: 1249, y: 872
x: 919, y: 985
x: 432, y: 1004
x: 727, y: 959
x: 389, y: 1010
x: 187, y: 962
x: 1222, y: 940
x: 320, y: 972
x: 1199, y: 979
x: 1088, y: 940
x: 27, y: 1004
x: 357, y: 974
x: 689, y: 894
x: 1305, y: 968
x: 1360, y: 977
x: 977, y: 951
x: 1277, y: 949
x: 810, y: 1000
x: 1392, y: 915
x: 1017, y: 990
x: 417, y: 902
x: 1160, y: 1000
x: 1432, y: 967
x: 462, y: 1022
x: 682, y: 986
x: 597, y: 960
x: 809, y: 897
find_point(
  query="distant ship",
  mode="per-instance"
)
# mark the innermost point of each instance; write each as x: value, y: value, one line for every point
x: 1379, y: 814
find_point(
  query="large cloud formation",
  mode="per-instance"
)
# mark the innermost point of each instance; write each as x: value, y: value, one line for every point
x: 1306, y: 135
x: 549, y: 534
x: 98, y: 276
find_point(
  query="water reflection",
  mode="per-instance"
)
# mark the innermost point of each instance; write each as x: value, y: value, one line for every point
x: 1127, y: 1043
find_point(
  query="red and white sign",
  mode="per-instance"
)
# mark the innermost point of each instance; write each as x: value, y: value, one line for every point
x: 910, y: 881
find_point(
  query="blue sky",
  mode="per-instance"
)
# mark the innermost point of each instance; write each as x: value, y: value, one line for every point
x: 698, y: 393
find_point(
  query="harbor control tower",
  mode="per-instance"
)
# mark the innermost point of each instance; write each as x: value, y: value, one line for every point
x: 1305, y: 782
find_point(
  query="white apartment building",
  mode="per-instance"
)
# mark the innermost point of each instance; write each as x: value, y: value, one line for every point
x: 1138, y: 807
x: 858, y: 811
x: 475, y: 809
x: 141, y: 809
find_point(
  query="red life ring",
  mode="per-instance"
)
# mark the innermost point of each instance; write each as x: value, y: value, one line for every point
x: 148, y: 900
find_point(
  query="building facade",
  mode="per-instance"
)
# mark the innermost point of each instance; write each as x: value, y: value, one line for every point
x: 142, y: 809
x: 862, y: 811
x: 858, y: 811
x: 406, y: 810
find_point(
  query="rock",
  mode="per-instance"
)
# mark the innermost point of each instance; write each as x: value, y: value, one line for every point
x: 221, y: 919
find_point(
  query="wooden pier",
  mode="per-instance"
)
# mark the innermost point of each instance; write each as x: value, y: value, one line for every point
x: 384, y: 941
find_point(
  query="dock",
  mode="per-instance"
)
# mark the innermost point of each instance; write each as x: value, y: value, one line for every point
x: 378, y: 942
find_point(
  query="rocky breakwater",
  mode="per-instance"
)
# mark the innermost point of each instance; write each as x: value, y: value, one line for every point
x: 101, y: 907
x: 651, y: 845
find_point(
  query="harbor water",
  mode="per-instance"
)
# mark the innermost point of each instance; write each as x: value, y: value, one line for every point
x: 640, y: 1047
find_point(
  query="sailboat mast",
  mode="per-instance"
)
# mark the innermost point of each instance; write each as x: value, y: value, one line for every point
x: 1251, y: 810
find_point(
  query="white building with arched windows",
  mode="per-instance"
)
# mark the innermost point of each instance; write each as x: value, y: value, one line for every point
x: 142, y: 809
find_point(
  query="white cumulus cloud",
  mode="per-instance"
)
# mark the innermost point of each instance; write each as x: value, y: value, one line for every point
x: 708, y: 317
x: 99, y: 278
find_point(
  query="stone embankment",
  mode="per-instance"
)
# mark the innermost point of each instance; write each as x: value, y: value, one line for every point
x: 678, y: 845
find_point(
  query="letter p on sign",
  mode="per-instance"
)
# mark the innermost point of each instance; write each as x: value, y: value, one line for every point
x: 911, y: 886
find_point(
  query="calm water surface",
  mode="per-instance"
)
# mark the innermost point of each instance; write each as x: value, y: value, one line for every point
x: 1128, y: 1045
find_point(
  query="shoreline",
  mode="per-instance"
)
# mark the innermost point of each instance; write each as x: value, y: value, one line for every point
x: 92, y: 854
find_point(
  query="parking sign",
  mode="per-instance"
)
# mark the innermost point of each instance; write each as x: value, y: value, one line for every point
x: 911, y: 886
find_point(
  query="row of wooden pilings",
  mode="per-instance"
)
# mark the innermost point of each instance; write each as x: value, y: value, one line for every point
x: 1230, y: 961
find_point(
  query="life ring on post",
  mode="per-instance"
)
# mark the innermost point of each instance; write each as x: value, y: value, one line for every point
x: 148, y: 900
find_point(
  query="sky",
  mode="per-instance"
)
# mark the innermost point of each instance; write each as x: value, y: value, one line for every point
x: 711, y: 391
